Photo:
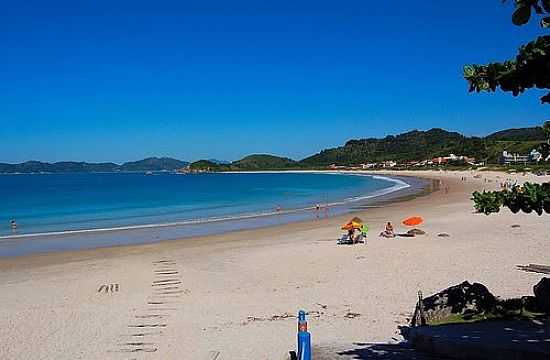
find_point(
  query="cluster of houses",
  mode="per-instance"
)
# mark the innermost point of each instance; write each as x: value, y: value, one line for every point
x: 505, y: 158
x: 441, y: 160
x: 533, y: 157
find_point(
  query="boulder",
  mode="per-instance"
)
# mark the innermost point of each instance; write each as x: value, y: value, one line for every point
x: 542, y: 294
x: 464, y: 299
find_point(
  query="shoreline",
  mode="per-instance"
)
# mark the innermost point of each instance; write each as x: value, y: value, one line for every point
x: 404, y: 195
x: 243, y: 216
x: 57, y: 241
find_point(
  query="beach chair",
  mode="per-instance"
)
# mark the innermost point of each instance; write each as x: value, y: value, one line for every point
x: 345, y: 240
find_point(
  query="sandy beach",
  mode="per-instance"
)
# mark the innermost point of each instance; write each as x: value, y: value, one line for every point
x: 235, y: 294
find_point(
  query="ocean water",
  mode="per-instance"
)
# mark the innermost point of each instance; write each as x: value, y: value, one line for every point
x: 44, y: 205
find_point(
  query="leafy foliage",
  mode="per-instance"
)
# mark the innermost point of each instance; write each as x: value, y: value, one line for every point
x: 530, y: 69
x: 531, y: 66
x: 527, y: 198
x: 487, y: 202
x: 524, y: 9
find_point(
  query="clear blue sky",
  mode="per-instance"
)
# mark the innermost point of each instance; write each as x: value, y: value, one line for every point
x: 118, y: 81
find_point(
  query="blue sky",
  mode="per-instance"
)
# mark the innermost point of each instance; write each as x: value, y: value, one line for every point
x: 118, y: 81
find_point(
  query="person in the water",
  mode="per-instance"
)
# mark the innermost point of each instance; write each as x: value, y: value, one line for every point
x: 13, y: 226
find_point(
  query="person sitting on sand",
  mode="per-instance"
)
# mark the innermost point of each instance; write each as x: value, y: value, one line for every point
x: 351, y: 233
x: 388, y: 231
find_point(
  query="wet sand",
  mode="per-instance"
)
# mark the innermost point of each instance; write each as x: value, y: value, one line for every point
x: 236, y: 293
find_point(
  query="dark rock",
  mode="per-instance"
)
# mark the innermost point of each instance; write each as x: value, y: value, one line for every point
x: 464, y: 299
x: 416, y: 232
x: 531, y: 304
x: 542, y: 294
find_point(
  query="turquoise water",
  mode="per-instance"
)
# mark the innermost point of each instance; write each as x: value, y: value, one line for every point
x: 65, y: 204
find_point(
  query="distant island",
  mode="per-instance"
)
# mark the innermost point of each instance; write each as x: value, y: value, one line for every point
x: 149, y: 164
x: 410, y: 148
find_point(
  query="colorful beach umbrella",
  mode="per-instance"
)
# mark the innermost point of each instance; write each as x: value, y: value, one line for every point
x: 353, y: 224
x: 413, y: 221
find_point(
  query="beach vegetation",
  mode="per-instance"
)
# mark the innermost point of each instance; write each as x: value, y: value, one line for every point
x: 508, y: 309
x: 530, y: 68
x: 527, y: 198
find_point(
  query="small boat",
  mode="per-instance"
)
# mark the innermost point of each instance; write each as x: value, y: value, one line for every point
x: 149, y: 173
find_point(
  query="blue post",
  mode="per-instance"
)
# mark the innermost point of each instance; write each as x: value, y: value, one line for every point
x: 304, y: 337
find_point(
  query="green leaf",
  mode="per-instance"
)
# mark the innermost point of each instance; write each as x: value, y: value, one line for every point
x: 521, y: 15
x: 469, y: 71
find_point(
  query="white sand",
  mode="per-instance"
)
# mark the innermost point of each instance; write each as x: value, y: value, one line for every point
x: 51, y: 308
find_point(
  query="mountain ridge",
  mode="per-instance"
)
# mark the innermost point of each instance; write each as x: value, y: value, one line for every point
x: 148, y: 164
x: 410, y: 145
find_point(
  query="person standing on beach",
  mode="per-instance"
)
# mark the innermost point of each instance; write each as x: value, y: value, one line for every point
x: 318, y: 210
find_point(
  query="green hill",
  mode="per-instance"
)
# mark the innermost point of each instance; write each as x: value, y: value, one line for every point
x: 264, y: 162
x: 154, y: 164
x: 419, y: 145
x: 208, y: 165
x: 524, y: 134
x: 413, y: 145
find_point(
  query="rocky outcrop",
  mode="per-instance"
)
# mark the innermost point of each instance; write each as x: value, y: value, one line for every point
x: 464, y: 299
x: 542, y: 294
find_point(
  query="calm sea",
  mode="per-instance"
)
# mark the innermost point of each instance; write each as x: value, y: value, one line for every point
x: 61, y: 203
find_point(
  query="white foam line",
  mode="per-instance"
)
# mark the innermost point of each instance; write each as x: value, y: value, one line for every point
x: 400, y: 185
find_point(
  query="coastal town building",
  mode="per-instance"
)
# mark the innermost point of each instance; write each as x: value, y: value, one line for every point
x: 452, y: 158
x: 436, y: 161
x: 507, y: 158
x: 535, y: 156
